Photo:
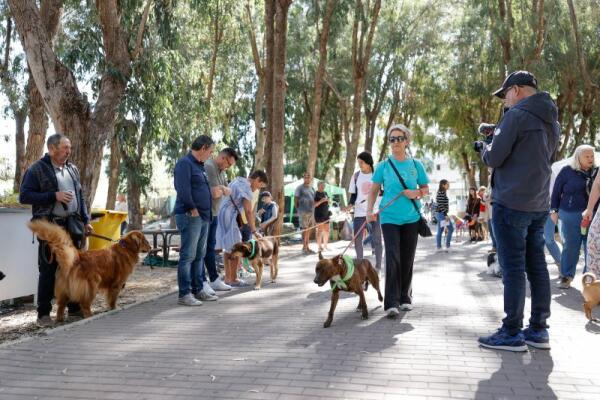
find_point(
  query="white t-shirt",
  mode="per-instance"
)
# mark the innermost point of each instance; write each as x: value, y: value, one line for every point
x: 362, y: 188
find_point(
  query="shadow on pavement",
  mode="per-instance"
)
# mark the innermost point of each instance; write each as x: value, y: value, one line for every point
x: 514, y: 378
x: 569, y: 298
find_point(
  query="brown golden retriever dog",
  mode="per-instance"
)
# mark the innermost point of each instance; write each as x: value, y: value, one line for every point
x: 591, y: 294
x: 266, y: 251
x: 335, y: 269
x: 81, y: 274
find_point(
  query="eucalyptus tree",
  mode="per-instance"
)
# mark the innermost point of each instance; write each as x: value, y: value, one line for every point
x: 87, y: 125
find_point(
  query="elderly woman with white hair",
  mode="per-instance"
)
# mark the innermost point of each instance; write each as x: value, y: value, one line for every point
x: 569, y: 201
x: 402, y: 176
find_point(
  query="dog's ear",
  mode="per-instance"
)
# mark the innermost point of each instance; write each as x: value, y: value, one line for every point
x: 320, y: 256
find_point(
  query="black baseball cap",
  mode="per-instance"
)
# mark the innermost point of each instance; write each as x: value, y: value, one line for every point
x: 519, y: 78
x: 265, y: 193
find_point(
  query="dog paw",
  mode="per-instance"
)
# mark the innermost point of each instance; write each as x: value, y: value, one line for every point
x: 327, y: 324
x: 365, y: 316
x: 256, y: 287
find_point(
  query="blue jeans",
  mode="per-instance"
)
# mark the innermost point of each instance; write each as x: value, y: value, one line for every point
x: 570, y: 231
x: 194, y: 232
x: 438, y: 238
x: 210, y: 263
x: 492, y: 234
x: 551, y: 244
x: 520, y: 240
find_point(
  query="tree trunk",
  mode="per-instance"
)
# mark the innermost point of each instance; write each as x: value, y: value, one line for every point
x: 313, y: 131
x: 268, y: 69
x: 360, y: 61
x: 279, y: 85
x: 20, y: 118
x: 70, y: 111
x: 38, y: 124
x: 217, y: 38
x: 259, y: 130
x: 131, y: 155
x: 468, y: 169
x: 113, y: 174
x: 50, y: 13
x: 391, y: 117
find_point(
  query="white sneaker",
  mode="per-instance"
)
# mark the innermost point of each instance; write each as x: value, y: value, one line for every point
x: 206, y: 288
x: 406, y: 307
x: 219, y: 285
x: 204, y: 296
x: 392, y: 312
x: 189, y: 300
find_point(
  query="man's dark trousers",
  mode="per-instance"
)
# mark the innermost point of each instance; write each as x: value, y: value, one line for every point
x: 520, y: 241
x: 46, y: 282
x: 210, y: 258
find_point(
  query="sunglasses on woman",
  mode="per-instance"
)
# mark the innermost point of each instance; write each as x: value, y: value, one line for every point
x: 399, y: 139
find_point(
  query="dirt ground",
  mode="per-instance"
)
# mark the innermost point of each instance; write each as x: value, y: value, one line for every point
x: 145, y: 283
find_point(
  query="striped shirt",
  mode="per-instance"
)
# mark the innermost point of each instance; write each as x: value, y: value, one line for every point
x: 442, y: 202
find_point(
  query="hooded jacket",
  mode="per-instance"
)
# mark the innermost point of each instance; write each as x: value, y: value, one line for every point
x: 522, y: 152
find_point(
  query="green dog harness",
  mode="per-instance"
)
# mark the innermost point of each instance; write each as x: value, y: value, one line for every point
x: 338, y: 282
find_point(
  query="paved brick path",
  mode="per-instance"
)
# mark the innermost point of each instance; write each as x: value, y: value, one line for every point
x: 270, y: 344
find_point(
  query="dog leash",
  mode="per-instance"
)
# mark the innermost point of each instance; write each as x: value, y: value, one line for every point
x: 102, y: 237
x: 359, y: 231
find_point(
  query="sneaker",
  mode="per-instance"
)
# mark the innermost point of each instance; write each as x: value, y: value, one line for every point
x: 239, y: 284
x: 219, y: 285
x: 205, y: 296
x: 537, y: 338
x: 448, y: 250
x: 406, y: 307
x: 438, y: 250
x: 45, y: 321
x: 565, y: 282
x: 392, y: 312
x: 189, y: 300
x: 501, y: 340
x: 206, y: 288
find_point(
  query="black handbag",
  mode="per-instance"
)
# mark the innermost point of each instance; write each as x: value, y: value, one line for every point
x: 424, y: 230
x: 76, y: 229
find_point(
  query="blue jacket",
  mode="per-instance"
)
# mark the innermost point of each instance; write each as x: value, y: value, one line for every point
x: 570, y: 190
x: 193, y: 188
x: 40, y: 185
x: 521, y: 154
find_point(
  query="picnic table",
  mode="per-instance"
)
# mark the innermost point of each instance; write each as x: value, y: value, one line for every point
x: 166, y: 236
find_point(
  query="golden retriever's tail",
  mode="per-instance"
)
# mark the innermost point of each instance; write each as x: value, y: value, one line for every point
x: 59, y: 241
x: 588, y: 278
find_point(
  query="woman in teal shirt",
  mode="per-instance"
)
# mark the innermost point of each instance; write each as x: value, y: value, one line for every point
x: 399, y: 221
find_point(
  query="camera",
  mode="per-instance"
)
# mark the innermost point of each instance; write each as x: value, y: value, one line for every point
x: 487, y: 131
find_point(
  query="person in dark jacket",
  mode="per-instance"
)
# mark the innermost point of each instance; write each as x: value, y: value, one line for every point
x: 193, y: 215
x: 521, y: 154
x: 52, y: 186
x: 569, y: 200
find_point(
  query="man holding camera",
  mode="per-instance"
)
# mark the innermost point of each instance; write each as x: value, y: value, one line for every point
x: 52, y: 186
x: 521, y: 154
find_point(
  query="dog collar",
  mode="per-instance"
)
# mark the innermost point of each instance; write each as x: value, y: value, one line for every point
x: 253, y: 252
x: 122, y: 244
x: 337, y: 282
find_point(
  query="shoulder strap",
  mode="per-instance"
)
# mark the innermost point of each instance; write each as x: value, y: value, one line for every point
x: 404, y: 184
x: 356, y: 181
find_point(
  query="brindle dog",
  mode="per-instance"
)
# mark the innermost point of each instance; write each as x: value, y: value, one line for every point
x: 266, y: 251
x: 335, y: 269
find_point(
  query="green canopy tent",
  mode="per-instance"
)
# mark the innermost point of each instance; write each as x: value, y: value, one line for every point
x: 334, y: 192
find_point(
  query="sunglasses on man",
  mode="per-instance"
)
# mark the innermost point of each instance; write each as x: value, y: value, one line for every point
x: 399, y: 139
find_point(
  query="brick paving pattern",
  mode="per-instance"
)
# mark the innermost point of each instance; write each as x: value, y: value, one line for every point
x: 270, y: 344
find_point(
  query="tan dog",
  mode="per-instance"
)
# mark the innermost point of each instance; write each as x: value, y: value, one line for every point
x: 591, y: 294
x: 335, y: 269
x: 261, y: 251
x: 81, y: 274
